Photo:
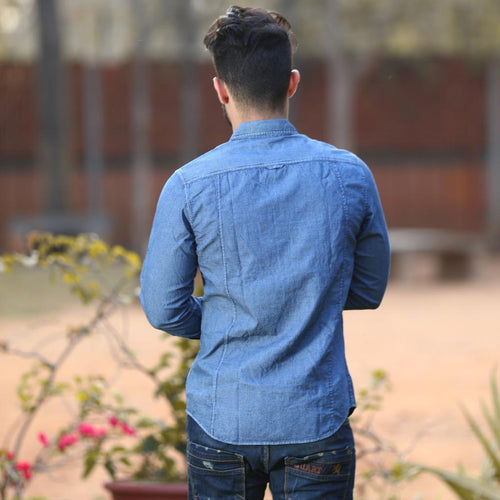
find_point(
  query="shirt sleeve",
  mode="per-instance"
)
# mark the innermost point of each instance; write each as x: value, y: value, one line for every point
x: 167, y: 277
x: 371, y: 255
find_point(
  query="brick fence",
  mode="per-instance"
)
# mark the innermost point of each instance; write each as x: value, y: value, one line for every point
x: 420, y: 125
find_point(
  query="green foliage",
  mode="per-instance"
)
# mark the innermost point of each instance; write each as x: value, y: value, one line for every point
x: 105, y: 432
x: 464, y: 487
x: 487, y: 486
x: 380, y: 465
x: 81, y: 262
x: 108, y: 433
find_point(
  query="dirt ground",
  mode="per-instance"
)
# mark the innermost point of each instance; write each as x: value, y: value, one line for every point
x: 439, y: 343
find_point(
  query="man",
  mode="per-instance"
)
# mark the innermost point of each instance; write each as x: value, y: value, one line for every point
x: 287, y: 233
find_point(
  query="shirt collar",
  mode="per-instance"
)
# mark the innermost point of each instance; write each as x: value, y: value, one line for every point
x: 260, y: 128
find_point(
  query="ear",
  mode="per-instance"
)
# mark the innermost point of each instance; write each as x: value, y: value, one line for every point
x: 221, y: 89
x: 294, y: 82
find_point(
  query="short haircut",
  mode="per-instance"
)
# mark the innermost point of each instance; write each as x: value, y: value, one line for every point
x: 252, y: 53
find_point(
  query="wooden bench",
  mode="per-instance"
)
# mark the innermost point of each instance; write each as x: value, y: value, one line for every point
x: 454, y: 254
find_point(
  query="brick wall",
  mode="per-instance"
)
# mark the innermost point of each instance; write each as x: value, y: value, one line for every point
x: 420, y: 125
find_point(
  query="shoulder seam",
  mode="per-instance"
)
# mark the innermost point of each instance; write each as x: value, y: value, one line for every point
x: 351, y: 161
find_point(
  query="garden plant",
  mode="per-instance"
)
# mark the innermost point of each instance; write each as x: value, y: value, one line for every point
x: 487, y: 485
x: 105, y: 430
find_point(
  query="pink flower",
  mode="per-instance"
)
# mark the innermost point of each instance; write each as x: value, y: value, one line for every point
x: 25, y: 468
x: 87, y: 430
x: 67, y: 440
x: 113, y: 421
x: 9, y: 455
x: 42, y: 437
x: 127, y: 429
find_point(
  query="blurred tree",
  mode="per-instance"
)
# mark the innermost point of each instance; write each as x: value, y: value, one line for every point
x: 349, y: 34
x: 92, y: 112
x: 477, y: 33
x: 53, y: 111
x: 358, y: 31
x: 493, y: 151
x: 140, y: 122
x: 17, y: 36
x: 470, y: 30
x: 190, y: 99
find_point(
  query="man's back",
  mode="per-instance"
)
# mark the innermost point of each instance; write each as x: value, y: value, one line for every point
x: 287, y: 233
x: 276, y: 219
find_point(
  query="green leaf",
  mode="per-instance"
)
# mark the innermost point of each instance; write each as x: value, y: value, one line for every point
x: 146, y: 423
x: 61, y: 387
x: 493, y: 425
x: 495, y: 397
x: 110, y: 467
x: 379, y: 376
x: 465, y: 487
x: 82, y: 396
x: 71, y: 278
x: 90, y: 461
x: 490, y: 452
x: 149, y: 444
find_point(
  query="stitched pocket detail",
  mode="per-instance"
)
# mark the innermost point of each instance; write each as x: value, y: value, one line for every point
x: 215, y: 474
x: 322, y: 473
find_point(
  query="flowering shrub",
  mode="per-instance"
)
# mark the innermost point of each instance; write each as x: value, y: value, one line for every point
x: 103, y: 430
x: 17, y: 473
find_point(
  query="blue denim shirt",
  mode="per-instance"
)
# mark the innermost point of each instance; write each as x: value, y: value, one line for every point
x: 287, y: 233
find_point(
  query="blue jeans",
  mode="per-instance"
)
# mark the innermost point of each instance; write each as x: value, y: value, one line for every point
x: 318, y: 470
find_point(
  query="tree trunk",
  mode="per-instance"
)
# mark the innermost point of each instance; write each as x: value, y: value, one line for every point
x: 493, y: 152
x: 140, y: 120
x: 190, y: 99
x: 341, y: 75
x: 341, y: 82
x: 93, y: 138
x: 52, y: 112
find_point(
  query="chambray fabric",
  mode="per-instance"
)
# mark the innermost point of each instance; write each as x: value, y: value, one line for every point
x: 287, y: 233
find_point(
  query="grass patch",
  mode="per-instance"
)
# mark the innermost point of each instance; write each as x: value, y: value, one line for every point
x: 29, y: 292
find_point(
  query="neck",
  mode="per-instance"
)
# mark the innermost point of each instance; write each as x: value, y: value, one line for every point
x: 241, y: 115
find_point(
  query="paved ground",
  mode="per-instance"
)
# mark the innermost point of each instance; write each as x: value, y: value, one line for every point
x: 439, y: 343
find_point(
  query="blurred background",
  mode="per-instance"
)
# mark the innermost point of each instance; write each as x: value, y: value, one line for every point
x: 101, y: 100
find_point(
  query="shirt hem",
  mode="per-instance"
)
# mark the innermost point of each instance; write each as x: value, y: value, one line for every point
x: 326, y: 435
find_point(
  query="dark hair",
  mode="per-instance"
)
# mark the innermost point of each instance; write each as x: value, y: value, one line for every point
x: 252, y: 53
